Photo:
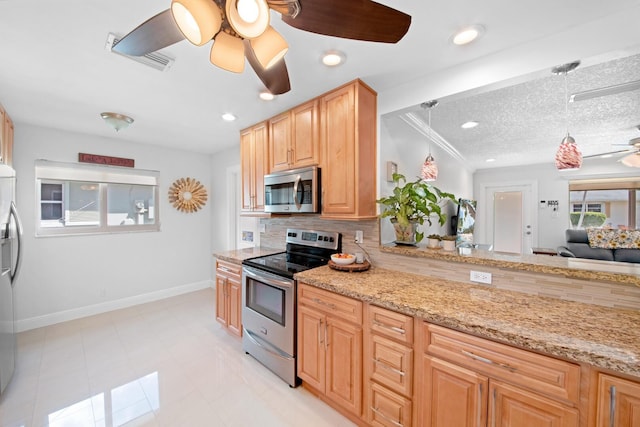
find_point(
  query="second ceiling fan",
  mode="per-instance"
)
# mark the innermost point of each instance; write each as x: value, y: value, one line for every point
x: 241, y: 29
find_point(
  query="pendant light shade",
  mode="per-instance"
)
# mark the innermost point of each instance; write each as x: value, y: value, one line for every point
x: 429, y: 171
x: 568, y: 156
x: 198, y: 20
x: 270, y: 47
x: 248, y: 18
x: 227, y: 52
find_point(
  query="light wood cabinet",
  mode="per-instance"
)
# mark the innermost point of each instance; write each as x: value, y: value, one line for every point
x: 330, y: 346
x: 618, y: 402
x: 472, y: 381
x: 348, y: 139
x: 229, y: 296
x: 388, y: 367
x: 6, y: 137
x: 254, y: 164
x: 294, y: 138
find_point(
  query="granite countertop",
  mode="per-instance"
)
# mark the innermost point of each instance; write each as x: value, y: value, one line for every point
x: 599, y: 336
x: 577, y: 268
x: 238, y: 255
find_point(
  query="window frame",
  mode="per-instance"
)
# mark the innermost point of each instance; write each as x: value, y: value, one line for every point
x: 50, y: 172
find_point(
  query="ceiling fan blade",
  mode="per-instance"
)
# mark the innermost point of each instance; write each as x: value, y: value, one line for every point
x: 155, y: 33
x: 610, y: 153
x: 275, y: 78
x: 353, y: 19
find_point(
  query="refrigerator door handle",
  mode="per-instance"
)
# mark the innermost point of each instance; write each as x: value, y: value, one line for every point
x: 14, y: 212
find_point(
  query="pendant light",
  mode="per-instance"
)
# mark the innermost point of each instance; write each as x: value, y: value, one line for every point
x: 429, y: 167
x: 568, y: 156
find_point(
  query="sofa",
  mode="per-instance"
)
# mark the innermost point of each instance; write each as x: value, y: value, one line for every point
x: 577, y: 246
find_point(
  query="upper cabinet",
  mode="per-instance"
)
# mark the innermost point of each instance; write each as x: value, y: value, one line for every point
x: 6, y: 137
x: 294, y: 138
x: 348, y: 139
x: 254, y: 157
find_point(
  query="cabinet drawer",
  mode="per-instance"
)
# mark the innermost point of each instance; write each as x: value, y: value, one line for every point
x: 547, y: 375
x: 229, y: 268
x: 391, y: 364
x: 391, y: 324
x: 329, y: 302
x: 387, y: 408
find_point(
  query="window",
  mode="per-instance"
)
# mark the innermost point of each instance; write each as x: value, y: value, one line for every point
x: 86, y: 199
x: 611, y: 203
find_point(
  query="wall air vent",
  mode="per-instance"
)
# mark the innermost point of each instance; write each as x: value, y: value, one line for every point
x: 154, y: 59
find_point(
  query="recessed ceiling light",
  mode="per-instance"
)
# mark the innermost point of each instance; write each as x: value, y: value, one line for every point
x: 333, y: 58
x: 467, y: 35
x: 228, y: 117
x: 490, y: 160
x: 469, y: 125
x: 267, y: 96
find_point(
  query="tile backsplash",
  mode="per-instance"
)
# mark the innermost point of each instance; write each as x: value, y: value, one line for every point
x: 600, y: 293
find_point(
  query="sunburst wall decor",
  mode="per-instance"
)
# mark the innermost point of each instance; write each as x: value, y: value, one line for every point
x: 187, y: 195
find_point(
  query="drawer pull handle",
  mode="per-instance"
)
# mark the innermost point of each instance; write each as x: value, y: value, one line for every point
x: 391, y: 328
x: 388, y: 368
x: 327, y: 304
x: 394, y: 422
x: 225, y: 269
x: 489, y: 361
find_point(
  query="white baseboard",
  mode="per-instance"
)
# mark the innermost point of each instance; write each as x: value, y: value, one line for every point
x: 77, y: 313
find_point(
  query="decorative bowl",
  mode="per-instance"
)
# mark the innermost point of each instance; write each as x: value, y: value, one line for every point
x: 343, y: 259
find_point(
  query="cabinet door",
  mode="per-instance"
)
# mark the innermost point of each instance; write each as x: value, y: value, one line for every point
x: 338, y: 141
x: 280, y: 142
x: 234, y: 297
x: 311, y: 350
x: 618, y: 402
x: 344, y: 364
x: 246, y: 166
x: 7, y: 143
x: 261, y: 164
x: 221, y: 299
x: 514, y: 407
x: 452, y: 395
x: 305, y: 135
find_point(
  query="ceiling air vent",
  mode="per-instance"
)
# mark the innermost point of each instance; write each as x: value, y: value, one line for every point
x: 154, y: 59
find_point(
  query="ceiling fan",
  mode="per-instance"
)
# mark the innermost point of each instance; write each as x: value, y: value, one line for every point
x: 240, y: 28
x: 632, y: 159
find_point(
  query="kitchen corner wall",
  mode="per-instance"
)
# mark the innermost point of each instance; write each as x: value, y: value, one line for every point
x: 67, y: 277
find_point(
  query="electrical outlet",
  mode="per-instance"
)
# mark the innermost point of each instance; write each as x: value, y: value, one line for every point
x: 359, y: 236
x: 480, y: 277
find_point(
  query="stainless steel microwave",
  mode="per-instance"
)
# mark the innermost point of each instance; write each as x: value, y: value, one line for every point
x: 293, y: 191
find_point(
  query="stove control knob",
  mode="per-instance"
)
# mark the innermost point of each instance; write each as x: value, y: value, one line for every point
x: 319, y: 238
x: 326, y: 239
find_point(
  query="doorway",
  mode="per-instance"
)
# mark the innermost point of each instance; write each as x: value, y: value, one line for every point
x: 510, y: 217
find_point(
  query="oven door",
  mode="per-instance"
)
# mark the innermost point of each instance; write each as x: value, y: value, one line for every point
x: 268, y: 311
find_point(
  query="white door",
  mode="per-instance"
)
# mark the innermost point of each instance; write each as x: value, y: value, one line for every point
x: 510, y: 217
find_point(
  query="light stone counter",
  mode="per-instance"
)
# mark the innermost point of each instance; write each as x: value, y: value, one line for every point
x: 238, y: 255
x: 599, y: 336
x: 576, y: 268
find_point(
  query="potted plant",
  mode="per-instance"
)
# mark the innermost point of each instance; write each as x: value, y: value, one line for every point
x: 433, y: 240
x: 449, y: 243
x: 411, y: 205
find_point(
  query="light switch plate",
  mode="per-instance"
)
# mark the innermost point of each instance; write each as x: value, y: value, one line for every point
x: 391, y: 169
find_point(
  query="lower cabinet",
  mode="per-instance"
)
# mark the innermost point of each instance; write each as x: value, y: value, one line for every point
x: 330, y: 346
x: 618, y: 402
x: 229, y: 296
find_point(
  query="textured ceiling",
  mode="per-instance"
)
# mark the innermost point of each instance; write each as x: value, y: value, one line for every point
x: 524, y: 123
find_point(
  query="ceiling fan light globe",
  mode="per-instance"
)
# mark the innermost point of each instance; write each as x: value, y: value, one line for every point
x: 198, y: 20
x: 247, y: 29
x: 227, y: 53
x: 248, y: 10
x: 269, y: 48
x: 632, y: 160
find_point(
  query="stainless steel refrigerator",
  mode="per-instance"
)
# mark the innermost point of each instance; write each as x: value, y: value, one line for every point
x: 10, y: 251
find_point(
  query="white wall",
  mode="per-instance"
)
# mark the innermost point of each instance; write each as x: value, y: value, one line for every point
x: 68, y: 277
x: 222, y: 165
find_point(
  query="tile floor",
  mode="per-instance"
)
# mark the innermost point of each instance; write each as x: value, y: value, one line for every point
x: 166, y: 363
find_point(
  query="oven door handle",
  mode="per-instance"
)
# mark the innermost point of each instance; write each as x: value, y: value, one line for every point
x: 295, y: 192
x: 268, y: 278
x: 255, y: 340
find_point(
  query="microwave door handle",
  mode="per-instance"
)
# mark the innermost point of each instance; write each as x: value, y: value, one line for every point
x: 296, y: 184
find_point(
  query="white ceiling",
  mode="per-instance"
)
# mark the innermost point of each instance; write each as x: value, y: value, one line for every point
x: 55, y: 70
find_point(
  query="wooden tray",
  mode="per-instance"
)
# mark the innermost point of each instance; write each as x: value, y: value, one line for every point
x: 350, y: 267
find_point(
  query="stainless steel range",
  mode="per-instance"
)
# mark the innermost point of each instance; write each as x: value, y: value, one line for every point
x: 269, y: 298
